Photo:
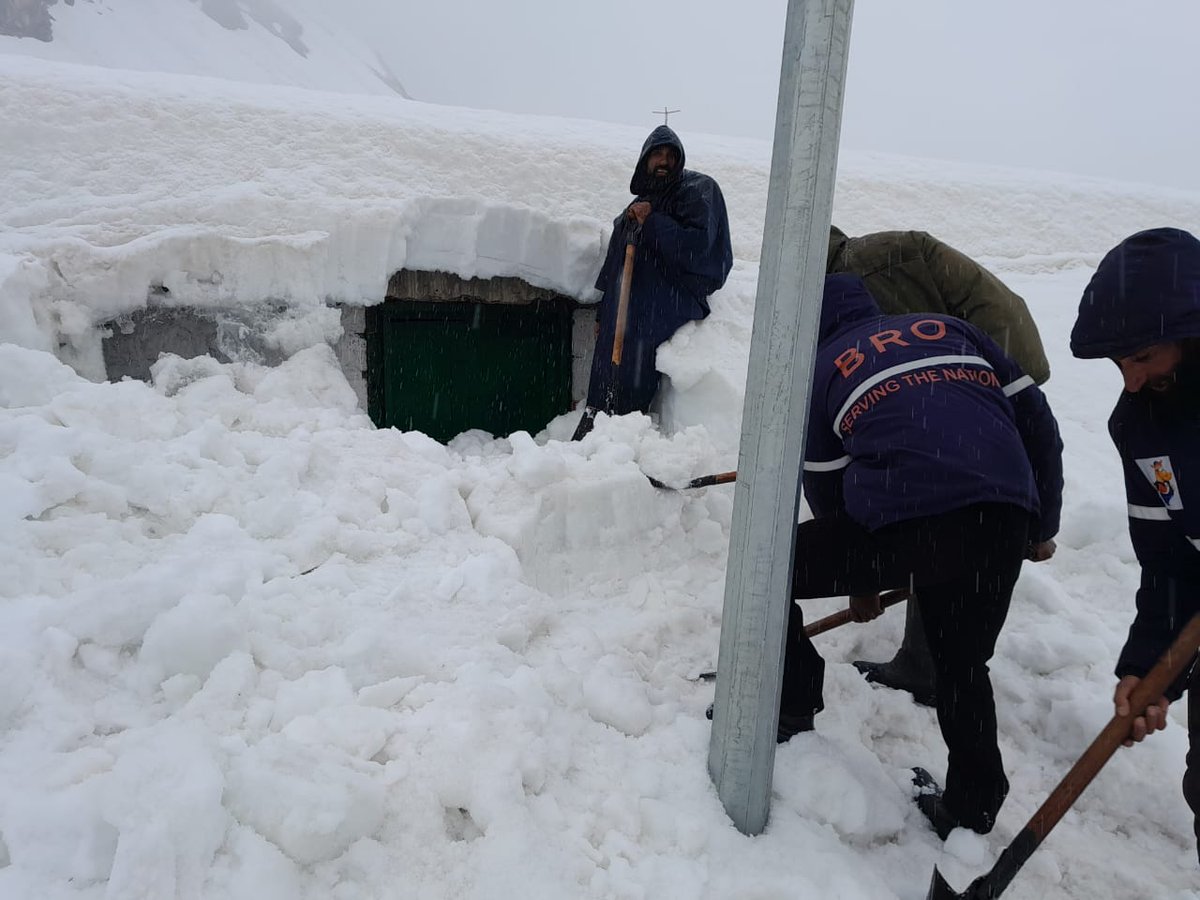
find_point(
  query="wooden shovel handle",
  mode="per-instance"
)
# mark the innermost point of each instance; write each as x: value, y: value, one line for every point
x: 842, y: 616
x: 702, y: 481
x: 1165, y: 671
x: 623, y: 305
x: 710, y: 480
x: 1169, y: 667
x: 889, y: 598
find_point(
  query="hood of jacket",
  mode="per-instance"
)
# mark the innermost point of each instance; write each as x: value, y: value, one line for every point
x: 837, y: 245
x: 846, y: 300
x: 642, y: 181
x: 1145, y: 291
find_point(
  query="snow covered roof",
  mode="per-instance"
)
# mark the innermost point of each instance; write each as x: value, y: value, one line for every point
x: 227, y: 193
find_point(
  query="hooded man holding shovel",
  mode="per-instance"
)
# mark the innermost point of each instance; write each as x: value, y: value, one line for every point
x: 669, y: 250
x: 1142, y: 310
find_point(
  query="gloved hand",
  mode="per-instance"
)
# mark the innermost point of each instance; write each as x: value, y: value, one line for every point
x: 1040, y: 551
x: 865, y: 607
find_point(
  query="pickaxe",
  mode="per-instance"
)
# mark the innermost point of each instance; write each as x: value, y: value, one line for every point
x: 1166, y: 670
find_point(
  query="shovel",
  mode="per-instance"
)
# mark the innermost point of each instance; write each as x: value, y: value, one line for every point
x: 702, y: 481
x: 832, y: 621
x: 1149, y: 689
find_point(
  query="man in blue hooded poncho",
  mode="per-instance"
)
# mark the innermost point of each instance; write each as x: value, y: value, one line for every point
x: 1142, y: 310
x: 933, y: 463
x: 680, y: 230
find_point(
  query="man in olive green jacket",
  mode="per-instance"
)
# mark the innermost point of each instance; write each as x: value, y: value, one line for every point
x: 913, y: 272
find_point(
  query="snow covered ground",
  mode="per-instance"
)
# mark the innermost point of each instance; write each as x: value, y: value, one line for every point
x: 252, y: 647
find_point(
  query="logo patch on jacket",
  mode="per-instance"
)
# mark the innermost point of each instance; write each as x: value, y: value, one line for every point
x: 1160, y: 472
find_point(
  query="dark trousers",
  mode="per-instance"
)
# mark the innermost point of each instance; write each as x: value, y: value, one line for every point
x: 1191, y: 775
x: 627, y: 388
x: 962, y: 566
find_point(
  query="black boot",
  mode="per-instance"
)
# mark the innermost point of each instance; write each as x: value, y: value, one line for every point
x: 586, y: 423
x: 933, y: 806
x: 911, y: 669
x: 930, y: 803
x: 791, y: 725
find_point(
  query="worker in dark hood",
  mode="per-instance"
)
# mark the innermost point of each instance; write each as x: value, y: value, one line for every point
x: 914, y: 272
x: 1142, y: 311
x: 680, y: 231
x: 932, y: 463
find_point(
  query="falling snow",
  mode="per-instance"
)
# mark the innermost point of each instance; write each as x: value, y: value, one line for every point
x: 250, y: 646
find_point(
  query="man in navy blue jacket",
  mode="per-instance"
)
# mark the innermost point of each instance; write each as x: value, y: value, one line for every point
x: 680, y: 229
x: 932, y: 463
x: 1142, y: 310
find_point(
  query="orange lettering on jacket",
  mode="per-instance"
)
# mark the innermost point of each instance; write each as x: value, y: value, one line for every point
x: 849, y: 360
x: 922, y: 329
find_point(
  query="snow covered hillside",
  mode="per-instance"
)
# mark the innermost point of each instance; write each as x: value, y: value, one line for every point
x: 253, y: 647
x: 304, y: 43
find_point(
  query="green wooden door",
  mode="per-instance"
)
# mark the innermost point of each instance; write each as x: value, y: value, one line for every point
x: 443, y: 368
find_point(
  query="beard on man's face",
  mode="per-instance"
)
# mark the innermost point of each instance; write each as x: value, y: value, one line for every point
x: 1184, y: 379
x: 661, y: 168
x: 1186, y: 376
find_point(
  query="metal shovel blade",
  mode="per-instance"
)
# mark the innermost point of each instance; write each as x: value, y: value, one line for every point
x: 982, y: 888
x: 1168, y: 668
x: 939, y: 889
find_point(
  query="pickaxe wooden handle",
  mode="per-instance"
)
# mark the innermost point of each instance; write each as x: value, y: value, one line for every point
x: 842, y: 616
x: 830, y: 622
x: 1169, y: 667
x: 618, y: 346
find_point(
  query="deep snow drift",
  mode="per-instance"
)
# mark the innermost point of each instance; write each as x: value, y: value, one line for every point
x: 251, y: 646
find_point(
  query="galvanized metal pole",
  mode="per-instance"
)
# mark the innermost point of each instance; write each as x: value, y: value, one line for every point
x: 791, y: 274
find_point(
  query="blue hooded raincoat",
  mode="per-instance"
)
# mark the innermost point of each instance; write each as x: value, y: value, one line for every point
x: 683, y: 255
x: 921, y: 414
x: 1146, y: 291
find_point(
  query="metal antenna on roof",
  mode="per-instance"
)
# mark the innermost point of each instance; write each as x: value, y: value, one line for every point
x: 666, y: 113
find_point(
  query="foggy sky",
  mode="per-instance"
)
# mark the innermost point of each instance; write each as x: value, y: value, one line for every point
x: 1097, y: 87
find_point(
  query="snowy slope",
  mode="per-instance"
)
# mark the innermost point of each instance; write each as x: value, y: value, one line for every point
x: 222, y: 191
x: 302, y: 43
x: 252, y: 647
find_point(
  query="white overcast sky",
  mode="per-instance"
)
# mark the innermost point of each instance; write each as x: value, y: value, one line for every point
x: 1098, y: 87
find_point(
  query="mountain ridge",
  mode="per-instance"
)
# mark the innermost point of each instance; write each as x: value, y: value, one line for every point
x: 259, y: 41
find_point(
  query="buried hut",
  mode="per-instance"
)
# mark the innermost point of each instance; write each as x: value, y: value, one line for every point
x: 441, y: 354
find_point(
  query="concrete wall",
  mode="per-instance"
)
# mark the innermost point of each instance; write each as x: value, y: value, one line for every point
x: 583, y: 344
x: 135, y: 342
x: 408, y: 284
x: 351, y: 350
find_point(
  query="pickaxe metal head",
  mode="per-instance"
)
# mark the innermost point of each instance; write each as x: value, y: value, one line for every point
x: 983, y: 888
